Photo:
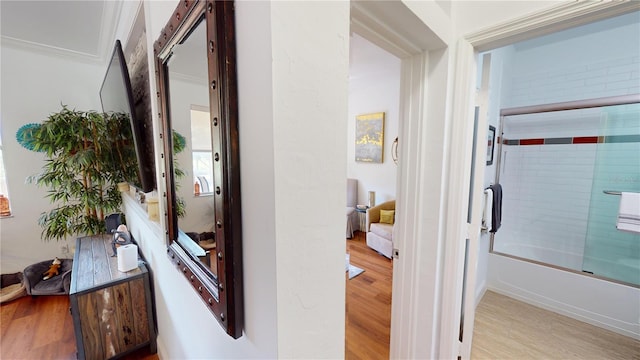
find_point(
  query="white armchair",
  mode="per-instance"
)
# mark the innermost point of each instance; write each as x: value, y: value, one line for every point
x: 380, y: 228
x: 352, y: 199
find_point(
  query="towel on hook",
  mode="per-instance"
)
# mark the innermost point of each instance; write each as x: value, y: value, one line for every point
x: 496, y: 212
x: 488, y: 209
x: 629, y: 212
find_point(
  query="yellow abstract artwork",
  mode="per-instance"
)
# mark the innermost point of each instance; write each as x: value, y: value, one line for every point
x: 370, y: 137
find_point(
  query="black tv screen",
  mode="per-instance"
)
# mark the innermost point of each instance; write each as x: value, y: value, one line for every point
x: 116, y: 95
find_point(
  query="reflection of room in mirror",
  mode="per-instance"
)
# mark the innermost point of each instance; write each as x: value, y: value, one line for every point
x: 190, y: 117
x: 201, y: 149
x: 206, y: 241
x: 190, y: 72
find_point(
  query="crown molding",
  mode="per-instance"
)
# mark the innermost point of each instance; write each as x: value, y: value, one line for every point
x: 548, y: 21
x: 110, y: 18
x: 48, y: 50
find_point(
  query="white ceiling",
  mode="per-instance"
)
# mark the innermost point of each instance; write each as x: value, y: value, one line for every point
x: 80, y: 28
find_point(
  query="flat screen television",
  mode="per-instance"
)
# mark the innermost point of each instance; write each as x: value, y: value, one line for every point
x: 116, y: 95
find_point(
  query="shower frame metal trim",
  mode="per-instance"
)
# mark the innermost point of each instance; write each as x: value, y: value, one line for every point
x: 537, y: 262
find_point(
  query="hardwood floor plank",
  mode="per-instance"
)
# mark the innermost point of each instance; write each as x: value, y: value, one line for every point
x: 506, y: 328
x: 51, y: 315
x: 19, y: 337
x: 368, y: 303
x: 41, y: 327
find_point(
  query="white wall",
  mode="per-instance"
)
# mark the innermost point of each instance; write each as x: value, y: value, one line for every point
x: 310, y: 93
x: 34, y: 85
x: 289, y: 304
x: 374, y: 86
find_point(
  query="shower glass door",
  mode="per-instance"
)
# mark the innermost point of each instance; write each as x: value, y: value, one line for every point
x: 609, y: 252
x: 562, y: 170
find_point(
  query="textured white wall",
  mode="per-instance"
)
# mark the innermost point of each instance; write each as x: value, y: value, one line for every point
x: 310, y: 89
x: 34, y: 86
x: 289, y: 305
x: 374, y: 86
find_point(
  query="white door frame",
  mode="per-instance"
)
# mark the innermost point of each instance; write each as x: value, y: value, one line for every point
x: 436, y: 136
x: 548, y: 21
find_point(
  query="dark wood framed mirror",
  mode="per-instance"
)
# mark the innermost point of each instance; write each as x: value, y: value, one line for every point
x: 197, y: 93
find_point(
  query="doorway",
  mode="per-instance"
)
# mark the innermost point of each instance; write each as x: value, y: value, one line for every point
x: 520, y: 30
x: 434, y: 167
x: 374, y: 88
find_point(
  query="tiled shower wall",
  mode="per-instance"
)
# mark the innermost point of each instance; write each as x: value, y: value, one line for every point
x: 579, y: 64
x: 547, y: 190
x: 619, y: 76
x: 547, y: 187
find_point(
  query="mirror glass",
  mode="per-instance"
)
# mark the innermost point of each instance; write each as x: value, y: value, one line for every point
x: 198, y: 101
x: 190, y: 120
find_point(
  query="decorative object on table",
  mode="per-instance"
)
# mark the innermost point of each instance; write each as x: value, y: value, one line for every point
x: 123, y: 186
x: 362, y: 207
x: 112, y: 222
x: 372, y: 199
x: 153, y: 209
x: 54, y: 269
x: 127, y: 257
x: 121, y: 237
x: 370, y: 137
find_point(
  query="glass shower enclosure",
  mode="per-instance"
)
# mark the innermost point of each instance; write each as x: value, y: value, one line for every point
x: 563, y: 169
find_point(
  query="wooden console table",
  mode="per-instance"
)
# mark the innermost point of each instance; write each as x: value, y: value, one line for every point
x: 112, y: 311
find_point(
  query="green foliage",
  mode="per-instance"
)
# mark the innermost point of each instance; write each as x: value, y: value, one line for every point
x: 179, y: 143
x: 87, y: 153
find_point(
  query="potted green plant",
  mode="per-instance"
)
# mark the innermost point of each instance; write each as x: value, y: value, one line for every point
x: 87, y: 154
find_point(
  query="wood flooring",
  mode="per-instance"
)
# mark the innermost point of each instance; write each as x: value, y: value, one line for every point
x: 506, y: 328
x: 368, y: 303
x: 41, y: 327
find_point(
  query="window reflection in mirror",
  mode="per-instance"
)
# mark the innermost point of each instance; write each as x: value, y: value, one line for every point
x: 188, y: 79
x: 201, y: 151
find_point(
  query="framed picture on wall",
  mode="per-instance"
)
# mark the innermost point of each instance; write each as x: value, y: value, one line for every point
x: 491, y: 139
x: 370, y: 137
